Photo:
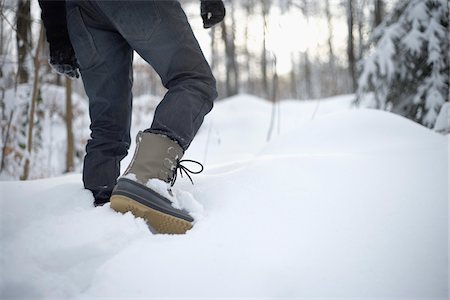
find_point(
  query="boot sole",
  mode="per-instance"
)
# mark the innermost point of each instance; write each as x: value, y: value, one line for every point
x: 158, y: 221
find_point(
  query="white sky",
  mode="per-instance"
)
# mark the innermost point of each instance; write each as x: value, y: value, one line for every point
x: 288, y: 34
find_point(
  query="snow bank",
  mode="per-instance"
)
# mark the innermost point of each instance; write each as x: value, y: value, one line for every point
x: 352, y: 204
x: 236, y: 129
x: 353, y: 132
x: 443, y: 120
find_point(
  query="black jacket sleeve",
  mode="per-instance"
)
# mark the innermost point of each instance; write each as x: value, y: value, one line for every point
x: 54, y: 17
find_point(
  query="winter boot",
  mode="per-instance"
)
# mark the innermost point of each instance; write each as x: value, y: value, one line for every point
x: 156, y: 157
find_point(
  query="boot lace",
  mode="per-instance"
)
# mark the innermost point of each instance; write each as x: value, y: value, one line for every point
x: 185, y: 170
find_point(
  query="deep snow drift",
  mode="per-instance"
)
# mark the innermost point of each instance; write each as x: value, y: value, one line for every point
x: 353, y: 203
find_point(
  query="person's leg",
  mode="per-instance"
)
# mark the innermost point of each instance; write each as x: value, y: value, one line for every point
x: 159, y: 31
x: 105, y: 60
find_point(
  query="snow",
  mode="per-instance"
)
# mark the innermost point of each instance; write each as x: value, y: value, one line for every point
x: 237, y: 130
x: 180, y: 199
x: 348, y: 204
x: 443, y: 120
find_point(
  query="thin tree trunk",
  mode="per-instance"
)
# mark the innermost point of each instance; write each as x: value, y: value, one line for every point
x: 26, y: 169
x: 231, y: 65
x: 212, y: 35
x: 265, y: 80
x: 228, y: 88
x: 330, y: 31
x: 69, y: 128
x: 5, y: 142
x: 378, y: 12
x: 307, y: 75
x: 23, y: 39
x: 154, y: 84
x: 249, y: 84
x: 350, y: 45
x: 293, y: 79
x: 58, y: 80
x: 274, y: 99
x: 1, y: 32
x: 361, y: 24
x: 233, y: 54
x: 1, y: 42
x: 305, y: 65
x: 331, y: 58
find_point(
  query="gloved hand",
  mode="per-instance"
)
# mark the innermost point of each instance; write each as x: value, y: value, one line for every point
x: 63, y: 60
x: 212, y: 12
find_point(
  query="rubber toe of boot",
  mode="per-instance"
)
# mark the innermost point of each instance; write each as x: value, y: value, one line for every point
x: 143, y: 202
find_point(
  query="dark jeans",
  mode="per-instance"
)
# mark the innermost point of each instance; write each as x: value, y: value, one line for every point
x: 104, y: 35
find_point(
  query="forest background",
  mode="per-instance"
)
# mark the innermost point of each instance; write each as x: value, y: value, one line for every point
x: 391, y: 55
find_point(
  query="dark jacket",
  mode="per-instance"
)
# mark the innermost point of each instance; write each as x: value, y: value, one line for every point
x: 54, y: 18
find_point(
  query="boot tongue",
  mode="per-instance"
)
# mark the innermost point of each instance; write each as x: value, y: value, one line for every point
x: 155, y: 158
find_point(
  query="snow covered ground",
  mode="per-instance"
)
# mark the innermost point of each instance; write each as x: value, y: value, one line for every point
x: 348, y: 204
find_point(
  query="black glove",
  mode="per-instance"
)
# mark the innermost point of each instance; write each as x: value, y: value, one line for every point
x: 63, y: 60
x: 212, y: 12
x: 62, y: 56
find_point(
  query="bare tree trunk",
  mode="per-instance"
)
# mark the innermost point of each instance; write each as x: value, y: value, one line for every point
x: 330, y: 32
x: 293, y: 79
x: 361, y: 23
x: 154, y: 84
x: 5, y: 142
x: 248, y: 57
x: 305, y: 65
x: 378, y: 12
x: 58, y: 80
x: 230, y: 58
x: 1, y: 41
x: 331, y: 59
x: 26, y: 169
x: 1, y: 32
x: 233, y: 54
x: 23, y: 39
x: 350, y: 45
x: 69, y: 128
x: 274, y: 99
x: 307, y: 75
x: 212, y: 35
x: 228, y: 88
x: 265, y: 80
